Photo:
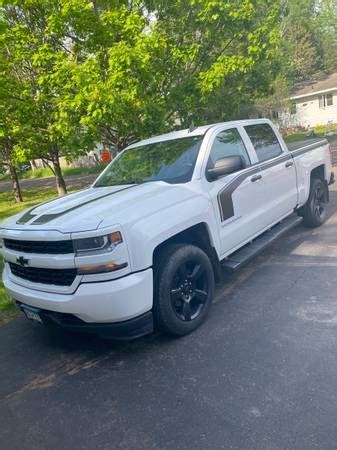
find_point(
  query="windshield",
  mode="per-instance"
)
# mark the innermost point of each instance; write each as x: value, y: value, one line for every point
x: 170, y: 161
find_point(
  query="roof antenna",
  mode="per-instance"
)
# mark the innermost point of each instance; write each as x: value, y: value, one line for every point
x: 192, y: 127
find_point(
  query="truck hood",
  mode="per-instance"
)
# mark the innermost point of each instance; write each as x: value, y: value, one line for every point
x: 95, y: 208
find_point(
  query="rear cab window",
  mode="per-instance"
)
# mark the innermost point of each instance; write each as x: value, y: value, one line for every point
x: 264, y: 140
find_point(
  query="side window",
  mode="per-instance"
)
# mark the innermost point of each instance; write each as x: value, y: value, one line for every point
x: 264, y: 140
x: 228, y: 143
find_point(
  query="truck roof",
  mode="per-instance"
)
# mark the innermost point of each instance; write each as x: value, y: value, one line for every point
x: 198, y: 131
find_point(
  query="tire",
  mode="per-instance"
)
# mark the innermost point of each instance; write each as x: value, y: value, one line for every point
x: 184, y: 289
x: 314, y: 212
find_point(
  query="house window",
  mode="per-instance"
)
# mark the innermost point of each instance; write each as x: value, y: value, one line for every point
x: 329, y: 100
x: 325, y: 100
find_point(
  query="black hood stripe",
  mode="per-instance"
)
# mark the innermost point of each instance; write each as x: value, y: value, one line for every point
x: 28, y: 216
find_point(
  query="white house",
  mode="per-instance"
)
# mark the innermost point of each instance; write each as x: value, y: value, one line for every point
x: 313, y: 103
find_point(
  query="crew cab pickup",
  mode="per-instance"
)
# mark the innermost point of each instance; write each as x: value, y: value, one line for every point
x: 143, y: 246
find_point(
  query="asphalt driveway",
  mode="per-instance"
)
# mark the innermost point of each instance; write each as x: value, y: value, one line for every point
x: 260, y: 374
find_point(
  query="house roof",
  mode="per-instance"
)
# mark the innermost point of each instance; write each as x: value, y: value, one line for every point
x: 324, y: 84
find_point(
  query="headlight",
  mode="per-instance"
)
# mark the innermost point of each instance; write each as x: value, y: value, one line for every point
x: 98, y: 244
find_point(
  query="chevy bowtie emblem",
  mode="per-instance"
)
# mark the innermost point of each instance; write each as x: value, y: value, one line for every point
x: 22, y: 261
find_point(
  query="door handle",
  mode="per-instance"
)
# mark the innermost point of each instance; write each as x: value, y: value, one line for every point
x: 289, y: 164
x: 256, y: 178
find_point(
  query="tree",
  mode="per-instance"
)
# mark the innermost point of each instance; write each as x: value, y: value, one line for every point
x: 117, y: 71
x: 300, y: 53
x: 34, y: 51
x: 145, y: 67
x: 14, y: 109
x: 308, y: 49
x: 277, y: 100
x: 326, y: 23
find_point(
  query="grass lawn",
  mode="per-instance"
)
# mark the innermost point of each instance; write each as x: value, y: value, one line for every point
x: 7, y: 307
x: 67, y: 172
x: 295, y: 137
x: 7, y: 208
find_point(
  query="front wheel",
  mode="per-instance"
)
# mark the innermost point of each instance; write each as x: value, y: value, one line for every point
x: 184, y: 289
x: 315, y: 210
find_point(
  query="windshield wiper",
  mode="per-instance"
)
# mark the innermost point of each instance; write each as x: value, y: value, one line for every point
x: 130, y: 182
x: 122, y: 182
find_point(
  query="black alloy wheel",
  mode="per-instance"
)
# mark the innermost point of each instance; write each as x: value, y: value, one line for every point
x: 319, y: 202
x: 189, y: 290
x: 314, y: 212
x: 184, y: 288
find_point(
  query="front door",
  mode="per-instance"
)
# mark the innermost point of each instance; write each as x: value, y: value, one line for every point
x: 238, y: 198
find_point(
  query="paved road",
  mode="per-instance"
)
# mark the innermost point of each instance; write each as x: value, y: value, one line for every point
x: 260, y: 374
x: 73, y: 182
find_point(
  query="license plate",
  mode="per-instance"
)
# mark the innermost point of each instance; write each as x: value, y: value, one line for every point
x: 32, y: 314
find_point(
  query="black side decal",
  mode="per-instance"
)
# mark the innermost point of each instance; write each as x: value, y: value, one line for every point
x: 225, y: 195
x: 225, y: 200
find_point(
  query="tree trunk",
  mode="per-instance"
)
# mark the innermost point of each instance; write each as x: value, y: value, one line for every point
x: 33, y: 164
x: 16, y: 185
x: 60, y: 183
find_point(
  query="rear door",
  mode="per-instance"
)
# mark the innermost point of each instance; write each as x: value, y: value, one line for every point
x: 277, y: 170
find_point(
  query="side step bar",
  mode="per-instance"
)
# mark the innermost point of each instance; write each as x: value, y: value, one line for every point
x: 246, y: 253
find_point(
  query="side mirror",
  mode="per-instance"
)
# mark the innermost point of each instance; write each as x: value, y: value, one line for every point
x: 225, y: 166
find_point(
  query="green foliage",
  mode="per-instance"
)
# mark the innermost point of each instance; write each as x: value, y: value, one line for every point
x: 319, y: 130
x: 115, y: 72
x: 309, y: 38
x: 308, y: 49
x: 7, y: 307
x: 324, y: 129
x: 83, y: 71
x: 295, y: 137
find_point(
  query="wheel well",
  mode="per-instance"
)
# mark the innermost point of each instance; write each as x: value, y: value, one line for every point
x: 318, y: 172
x: 197, y: 235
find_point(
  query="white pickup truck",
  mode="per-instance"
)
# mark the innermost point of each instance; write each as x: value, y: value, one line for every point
x: 142, y: 248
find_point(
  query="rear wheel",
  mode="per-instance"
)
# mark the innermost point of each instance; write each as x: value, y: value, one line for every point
x: 315, y: 210
x: 184, y: 289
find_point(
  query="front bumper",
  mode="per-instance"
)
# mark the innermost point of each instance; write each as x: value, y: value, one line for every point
x: 128, y: 329
x: 100, y: 302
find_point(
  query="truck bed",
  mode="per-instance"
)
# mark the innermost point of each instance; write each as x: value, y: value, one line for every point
x: 314, y: 141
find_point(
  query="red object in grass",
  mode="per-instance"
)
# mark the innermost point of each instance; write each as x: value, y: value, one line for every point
x: 106, y: 157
